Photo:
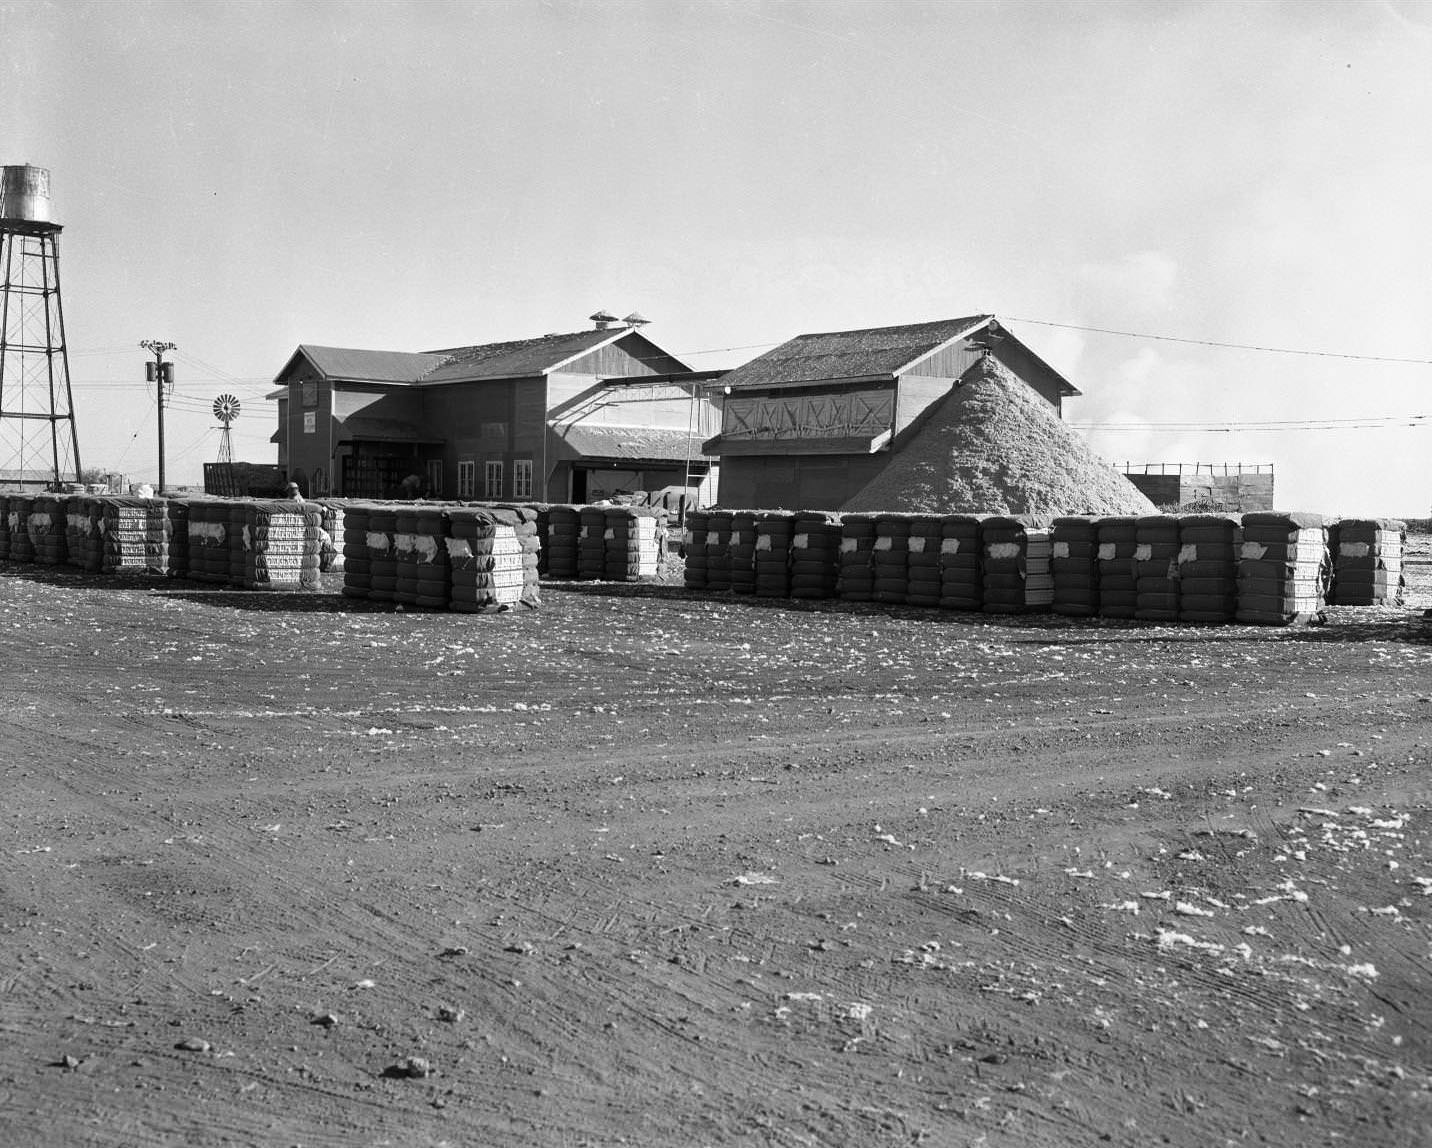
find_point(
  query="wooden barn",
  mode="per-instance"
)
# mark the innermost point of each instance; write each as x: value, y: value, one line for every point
x: 813, y: 421
x: 561, y: 418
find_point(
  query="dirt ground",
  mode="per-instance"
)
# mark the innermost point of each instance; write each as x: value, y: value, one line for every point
x: 643, y: 868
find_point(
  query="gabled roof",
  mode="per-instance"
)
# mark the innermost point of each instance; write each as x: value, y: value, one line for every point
x: 360, y: 366
x: 873, y: 351
x: 521, y: 358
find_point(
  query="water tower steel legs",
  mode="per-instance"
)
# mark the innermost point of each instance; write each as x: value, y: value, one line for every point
x: 34, y: 362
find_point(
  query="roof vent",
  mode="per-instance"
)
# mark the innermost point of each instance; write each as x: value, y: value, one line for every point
x: 603, y: 319
x: 636, y: 319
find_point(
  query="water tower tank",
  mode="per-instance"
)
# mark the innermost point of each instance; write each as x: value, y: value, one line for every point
x: 25, y: 193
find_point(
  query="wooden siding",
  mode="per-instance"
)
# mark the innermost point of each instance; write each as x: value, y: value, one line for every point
x: 1045, y: 383
x: 915, y: 394
x: 817, y: 482
x: 578, y: 397
x: 627, y: 356
x: 821, y: 413
x: 951, y: 362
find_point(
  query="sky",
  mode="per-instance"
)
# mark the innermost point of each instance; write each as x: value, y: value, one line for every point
x: 242, y: 177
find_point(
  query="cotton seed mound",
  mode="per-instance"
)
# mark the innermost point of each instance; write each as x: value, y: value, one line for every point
x: 993, y: 446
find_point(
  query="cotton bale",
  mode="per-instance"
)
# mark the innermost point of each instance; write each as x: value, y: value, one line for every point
x: 1074, y: 565
x: 815, y: 554
x: 922, y: 560
x: 422, y: 576
x: 592, y: 544
x: 134, y: 533
x: 22, y: 547
x: 693, y: 546
x: 718, y: 550
x: 1118, y: 584
x: 961, y: 565
x: 775, y: 535
x: 560, y: 540
x: 635, y: 538
x: 1207, y: 567
x: 382, y: 555
x: 890, y: 559
x: 176, y: 513
x: 1283, y: 568
x: 48, y: 526
x: 282, y: 544
x: 84, y: 544
x: 855, y: 581
x: 488, y: 560
x: 1367, y: 557
x: 1156, y: 545
x: 357, y: 560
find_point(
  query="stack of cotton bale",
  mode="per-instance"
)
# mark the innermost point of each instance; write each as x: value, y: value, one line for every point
x: 1118, y: 585
x: 357, y: 561
x: 176, y: 563
x: 1074, y: 563
x: 741, y: 552
x: 1283, y: 568
x: 1207, y: 567
x: 48, y: 526
x: 775, y: 535
x: 855, y: 581
x: 493, y: 565
x: 1002, y: 552
x: 208, y: 533
x: 382, y: 552
x: 923, y: 585
x: 694, y: 543
x: 84, y: 545
x: 1367, y: 561
x: 1156, y: 545
x: 421, y: 555
x: 890, y: 573
x: 592, y: 543
x: 635, y: 538
x: 282, y: 545
x: 1038, y: 570
x: 560, y: 542
x: 815, y: 554
x: 335, y: 511
x: 134, y: 535
x: 961, y: 568
x: 22, y: 547
x: 718, y: 550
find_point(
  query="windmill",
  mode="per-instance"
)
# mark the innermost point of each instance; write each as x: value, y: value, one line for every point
x: 226, y: 410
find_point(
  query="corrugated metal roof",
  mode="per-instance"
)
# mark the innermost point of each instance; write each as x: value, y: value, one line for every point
x: 666, y: 444
x: 850, y: 354
x: 371, y: 366
x: 517, y: 359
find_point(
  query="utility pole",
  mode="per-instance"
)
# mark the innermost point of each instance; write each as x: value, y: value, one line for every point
x: 160, y: 373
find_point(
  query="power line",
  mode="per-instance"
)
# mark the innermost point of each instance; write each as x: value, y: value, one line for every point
x: 1217, y: 343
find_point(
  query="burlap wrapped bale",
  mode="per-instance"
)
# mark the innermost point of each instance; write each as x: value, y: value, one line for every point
x: 775, y: 534
x: 560, y: 542
x: 335, y: 511
x: 890, y: 559
x: 592, y: 544
x: 22, y: 548
x: 357, y: 561
x: 1002, y: 553
x: 1367, y: 556
x: 693, y: 544
x: 718, y: 550
x: 176, y: 510
x: 961, y: 564
x: 1074, y: 563
x: 422, y: 577
x: 1155, y: 568
x: 815, y: 554
x: 922, y: 560
x: 1283, y: 568
x: 382, y: 555
x: 741, y: 552
x: 84, y: 544
x: 208, y: 531
x: 1207, y: 567
x: 488, y: 560
x: 282, y: 545
x: 134, y: 535
x: 1118, y: 585
x: 48, y: 525
x: 855, y: 581
x: 635, y: 538
x: 1038, y: 570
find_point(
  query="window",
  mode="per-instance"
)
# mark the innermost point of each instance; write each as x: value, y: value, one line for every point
x: 492, y: 484
x: 522, y: 478
x: 466, y: 478
x: 435, y: 477
x: 309, y: 393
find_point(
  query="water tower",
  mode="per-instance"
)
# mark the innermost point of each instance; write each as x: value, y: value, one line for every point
x: 38, y: 443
